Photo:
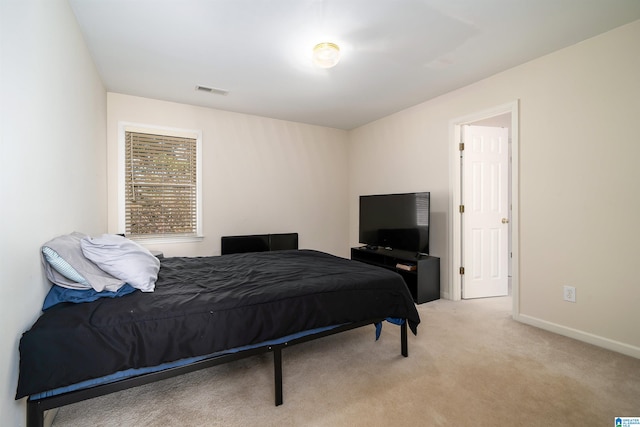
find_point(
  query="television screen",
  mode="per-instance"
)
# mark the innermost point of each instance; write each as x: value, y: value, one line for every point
x: 395, y: 221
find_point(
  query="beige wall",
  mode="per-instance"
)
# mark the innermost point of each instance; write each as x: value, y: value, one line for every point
x: 53, y: 164
x: 578, y: 180
x: 260, y: 175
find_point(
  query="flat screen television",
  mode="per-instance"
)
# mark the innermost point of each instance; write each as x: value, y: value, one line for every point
x: 395, y: 221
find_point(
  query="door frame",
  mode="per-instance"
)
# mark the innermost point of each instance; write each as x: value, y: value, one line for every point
x: 455, y: 231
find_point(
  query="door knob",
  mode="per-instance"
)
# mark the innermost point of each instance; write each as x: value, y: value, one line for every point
x: 505, y: 220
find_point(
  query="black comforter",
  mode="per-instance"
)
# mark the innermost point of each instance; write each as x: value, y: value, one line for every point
x: 204, y: 305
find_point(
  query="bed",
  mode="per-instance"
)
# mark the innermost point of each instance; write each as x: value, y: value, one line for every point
x: 204, y: 311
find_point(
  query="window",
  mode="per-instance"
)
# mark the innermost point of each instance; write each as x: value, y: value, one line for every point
x: 160, y: 186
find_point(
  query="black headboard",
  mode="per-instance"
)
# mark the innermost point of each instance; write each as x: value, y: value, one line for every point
x: 258, y: 243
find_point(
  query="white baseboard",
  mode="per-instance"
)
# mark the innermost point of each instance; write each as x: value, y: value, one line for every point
x: 49, y: 416
x: 599, y: 341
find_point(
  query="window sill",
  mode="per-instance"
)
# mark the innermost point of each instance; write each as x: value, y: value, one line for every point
x: 166, y: 239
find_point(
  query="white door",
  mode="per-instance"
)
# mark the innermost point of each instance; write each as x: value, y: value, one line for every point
x: 485, y: 197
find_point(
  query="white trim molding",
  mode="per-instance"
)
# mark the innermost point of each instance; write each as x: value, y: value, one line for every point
x: 576, y: 334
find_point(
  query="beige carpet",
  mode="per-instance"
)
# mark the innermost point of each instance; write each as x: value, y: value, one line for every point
x: 470, y: 365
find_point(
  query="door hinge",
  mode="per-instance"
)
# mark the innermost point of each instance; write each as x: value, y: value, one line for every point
x: 461, y: 146
x: 461, y: 270
x: 461, y: 208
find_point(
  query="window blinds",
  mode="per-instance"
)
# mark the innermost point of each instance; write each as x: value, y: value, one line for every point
x: 160, y: 185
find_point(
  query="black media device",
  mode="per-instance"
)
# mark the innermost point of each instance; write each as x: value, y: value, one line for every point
x: 395, y: 221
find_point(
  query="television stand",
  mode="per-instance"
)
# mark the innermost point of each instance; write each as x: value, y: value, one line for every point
x: 420, y: 272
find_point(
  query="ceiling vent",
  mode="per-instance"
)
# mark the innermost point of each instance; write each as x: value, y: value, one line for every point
x: 212, y: 90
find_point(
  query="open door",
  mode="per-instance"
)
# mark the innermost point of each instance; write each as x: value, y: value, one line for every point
x: 485, y: 207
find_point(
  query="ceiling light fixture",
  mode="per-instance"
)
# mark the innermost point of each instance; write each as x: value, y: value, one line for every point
x: 326, y: 55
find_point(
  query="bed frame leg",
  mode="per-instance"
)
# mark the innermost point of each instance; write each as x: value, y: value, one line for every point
x: 35, y: 414
x: 277, y: 369
x: 404, y: 348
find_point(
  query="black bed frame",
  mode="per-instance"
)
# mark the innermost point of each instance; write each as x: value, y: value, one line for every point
x: 37, y: 407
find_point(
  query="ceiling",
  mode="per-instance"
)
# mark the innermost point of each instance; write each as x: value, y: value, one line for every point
x: 395, y: 53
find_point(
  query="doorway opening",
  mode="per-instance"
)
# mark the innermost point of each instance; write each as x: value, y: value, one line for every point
x: 504, y: 116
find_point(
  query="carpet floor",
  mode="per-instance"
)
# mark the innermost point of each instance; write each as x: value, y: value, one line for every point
x: 470, y: 365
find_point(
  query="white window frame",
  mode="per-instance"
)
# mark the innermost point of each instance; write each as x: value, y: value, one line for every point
x: 124, y: 127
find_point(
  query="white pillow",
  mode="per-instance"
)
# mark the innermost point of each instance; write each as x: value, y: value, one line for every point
x: 124, y: 259
x: 66, y: 266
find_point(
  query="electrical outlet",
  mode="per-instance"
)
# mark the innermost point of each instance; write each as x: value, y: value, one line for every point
x: 569, y: 293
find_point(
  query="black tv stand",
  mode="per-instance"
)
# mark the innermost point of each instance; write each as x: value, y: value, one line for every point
x: 420, y: 272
